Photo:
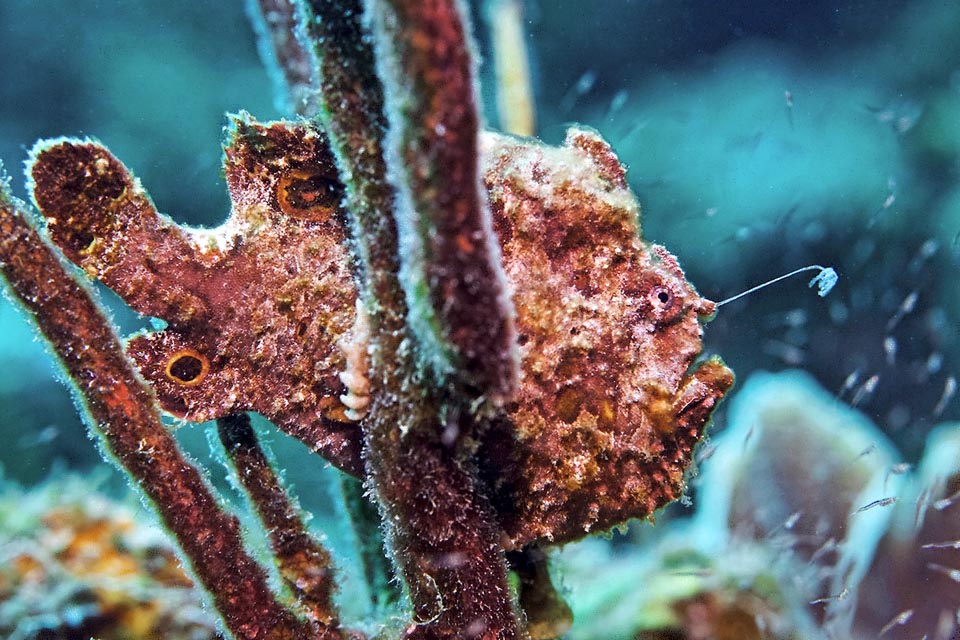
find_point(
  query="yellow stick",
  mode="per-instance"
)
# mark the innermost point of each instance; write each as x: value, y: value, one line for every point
x: 515, y: 104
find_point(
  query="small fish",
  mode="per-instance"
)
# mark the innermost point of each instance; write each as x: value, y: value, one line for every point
x: 953, y: 574
x: 618, y: 101
x: 788, y: 353
x: 890, y: 350
x: 791, y: 522
x: 746, y: 438
x: 927, y: 250
x: 953, y: 544
x: 825, y: 548
x: 693, y: 573
x: 849, y: 382
x: 898, y: 620
x: 870, y: 449
x: 839, y: 597
x: 946, y: 624
x: 896, y: 470
x: 934, y: 362
x: 583, y: 86
x: 706, y: 453
x: 923, y: 501
x: 789, y: 100
x: 943, y: 503
x: 949, y: 390
x: 866, y: 390
x: 906, y: 307
x: 882, y: 502
x: 887, y: 203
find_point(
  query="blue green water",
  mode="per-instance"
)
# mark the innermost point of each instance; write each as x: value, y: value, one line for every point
x: 760, y: 137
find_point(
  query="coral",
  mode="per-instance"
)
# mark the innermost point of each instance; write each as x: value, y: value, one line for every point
x: 77, y: 564
x: 912, y: 586
x: 470, y: 323
x: 123, y: 415
x: 807, y: 526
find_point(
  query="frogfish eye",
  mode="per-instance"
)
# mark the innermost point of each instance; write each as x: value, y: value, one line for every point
x: 663, y: 303
x: 661, y: 298
x: 187, y: 368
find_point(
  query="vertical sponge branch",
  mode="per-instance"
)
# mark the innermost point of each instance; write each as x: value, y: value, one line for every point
x: 351, y: 112
x: 121, y: 409
x: 304, y: 564
x: 290, y: 63
x: 441, y: 528
x: 459, y: 301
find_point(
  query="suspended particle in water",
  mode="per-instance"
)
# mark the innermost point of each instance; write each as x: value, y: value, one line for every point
x: 890, y: 350
x: 866, y: 390
x: 949, y: 390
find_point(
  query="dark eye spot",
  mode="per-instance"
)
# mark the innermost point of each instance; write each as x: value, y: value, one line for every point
x: 661, y: 298
x: 187, y: 367
x: 663, y: 304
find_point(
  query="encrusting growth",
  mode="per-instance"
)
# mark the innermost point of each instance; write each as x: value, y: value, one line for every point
x: 254, y: 307
x: 469, y: 322
x: 121, y: 412
x: 459, y: 307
